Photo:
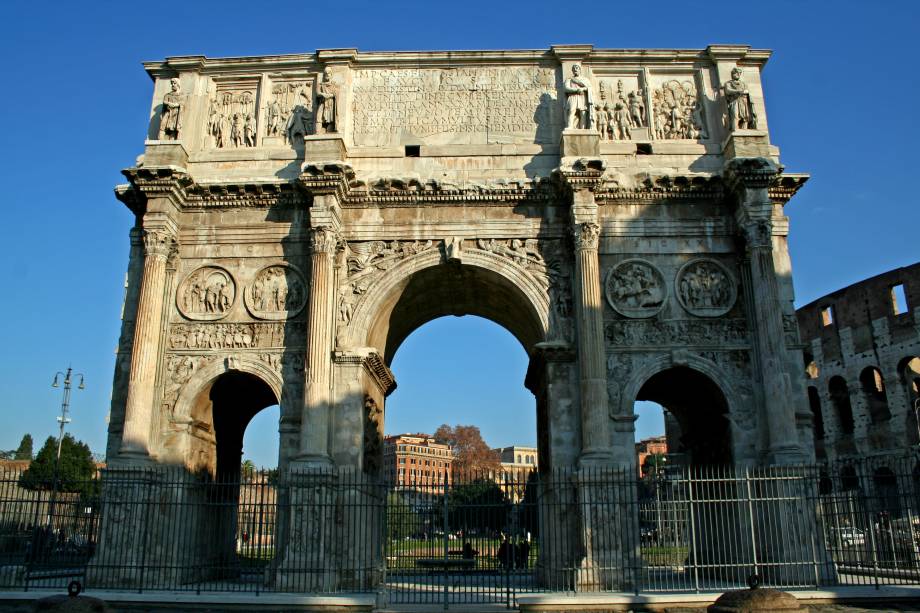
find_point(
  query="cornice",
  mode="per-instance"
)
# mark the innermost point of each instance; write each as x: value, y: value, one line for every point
x: 243, y: 195
x: 786, y: 185
x: 583, y: 173
x: 132, y: 198
x: 661, y: 189
x: 373, y: 364
x: 160, y: 182
x: 357, y: 59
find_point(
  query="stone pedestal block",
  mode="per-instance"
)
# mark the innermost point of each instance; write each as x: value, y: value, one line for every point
x: 323, y: 147
x: 746, y: 144
x: 165, y: 153
x: 580, y: 143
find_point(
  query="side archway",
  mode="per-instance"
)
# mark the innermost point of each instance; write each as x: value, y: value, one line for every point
x: 699, y: 396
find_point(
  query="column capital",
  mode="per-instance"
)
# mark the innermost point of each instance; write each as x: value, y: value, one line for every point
x: 159, y: 242
x: 743, y: 174
x: 323, y: 239
x: 587, y: 235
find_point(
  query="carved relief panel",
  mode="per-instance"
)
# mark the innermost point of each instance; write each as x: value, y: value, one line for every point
x: 278, y: 291
x: 232, y: 115
x: 621, y: 108
x: 677, y: 108
x: 455, y: 105
x: 705, y: 288
x: 288, y: 112
x: 636, y: 289
x: 206, y: 294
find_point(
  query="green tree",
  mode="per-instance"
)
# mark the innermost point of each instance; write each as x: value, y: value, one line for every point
x: 402, y: 520
x: 76, y: 471
x: 478, y: 505
x: 24, y: 452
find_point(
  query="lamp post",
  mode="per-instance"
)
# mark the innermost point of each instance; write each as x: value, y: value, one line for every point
x: 63, y: 420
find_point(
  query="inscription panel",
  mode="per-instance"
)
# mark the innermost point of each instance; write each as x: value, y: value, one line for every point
x: 455, y: 106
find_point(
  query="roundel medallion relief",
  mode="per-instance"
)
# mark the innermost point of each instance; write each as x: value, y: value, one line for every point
x: 705, y: 288
x: 277, y: 292
x: 206, y: 294
x: 635, y: 288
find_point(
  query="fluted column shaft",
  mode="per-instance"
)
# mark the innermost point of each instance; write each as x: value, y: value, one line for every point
x: 591, y: 355
x: 158, y: 243
x: 752, y: 178
x: 314, y: 432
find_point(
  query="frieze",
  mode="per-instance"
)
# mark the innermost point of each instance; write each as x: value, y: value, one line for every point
x: 277, y: 292
x: 206, y: 294
x: 635, y: 288
x: 179, y: 369
x: 231, y: 119
x: 431, y: 104
x: 289, y: 113
x: 705, y: 288
x: 678, y: 112
x: 235, y: 336
x: 677, y: 332
x: 621, y: 114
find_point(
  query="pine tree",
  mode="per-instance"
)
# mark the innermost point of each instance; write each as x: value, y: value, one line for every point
x: 24, y: 452
x: 75, y: 473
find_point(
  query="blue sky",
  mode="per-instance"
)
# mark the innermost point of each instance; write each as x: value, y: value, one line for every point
x: 841, y: 93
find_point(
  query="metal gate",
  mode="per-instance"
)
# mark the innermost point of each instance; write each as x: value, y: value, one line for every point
x: 463, y: 542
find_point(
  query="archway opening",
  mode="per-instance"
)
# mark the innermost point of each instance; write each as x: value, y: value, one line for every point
x: 700, y: 432
x: 909, y: 376
x: 840, y: 397
x: 873, y: 386
x: 236, y: 540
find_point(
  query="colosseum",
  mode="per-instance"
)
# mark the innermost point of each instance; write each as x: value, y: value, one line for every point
x: 862, y: 361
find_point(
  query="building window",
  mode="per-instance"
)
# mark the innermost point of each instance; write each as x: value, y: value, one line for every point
x: 827, y: 316
x: 898, y: 299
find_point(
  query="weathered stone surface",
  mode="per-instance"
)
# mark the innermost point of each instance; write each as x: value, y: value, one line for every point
x: 299, y: 217
x: 754, y: 601
x: 70, y: 604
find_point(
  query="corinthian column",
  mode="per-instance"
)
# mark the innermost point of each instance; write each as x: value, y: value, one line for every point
x: 158, y: 243
x: 751, y: 178
x: 314, y: 431
x: 591, y: 359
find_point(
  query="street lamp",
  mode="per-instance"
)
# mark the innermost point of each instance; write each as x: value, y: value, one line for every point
x: 63, y: 420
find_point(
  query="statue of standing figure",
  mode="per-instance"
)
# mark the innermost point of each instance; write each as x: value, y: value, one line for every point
x: 741, y: 115
x: 169, y: 118
x: 579, y: 100
x: 326, y: 94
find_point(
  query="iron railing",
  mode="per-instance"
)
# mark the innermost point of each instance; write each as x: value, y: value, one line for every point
x: 476, y: 538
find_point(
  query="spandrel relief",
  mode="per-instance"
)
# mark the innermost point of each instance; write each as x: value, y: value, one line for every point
x: 635, y: 288
x: 678, y: 111
x: 277, y: 292
x: 475, y: 105
x: 621, y: 110
x: 232, y: 119
x: 206, y: 294
x: 289, y: 114
x: 705, y: 288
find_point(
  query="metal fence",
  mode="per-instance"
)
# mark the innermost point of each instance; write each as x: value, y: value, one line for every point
x: 476, y: 538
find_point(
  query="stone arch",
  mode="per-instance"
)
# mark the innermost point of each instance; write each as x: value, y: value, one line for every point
x: 703, y: 367
x: 909, y: 378
x: 368, y: 325
x: 207, y: 374
x: 840, y: 398
x: 873, y: 388
x: 194, y: 408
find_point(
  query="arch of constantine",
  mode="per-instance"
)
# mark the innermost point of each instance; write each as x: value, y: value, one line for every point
x: 620, y: 212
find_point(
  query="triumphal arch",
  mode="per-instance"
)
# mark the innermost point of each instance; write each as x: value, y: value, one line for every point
x: 619, y: 211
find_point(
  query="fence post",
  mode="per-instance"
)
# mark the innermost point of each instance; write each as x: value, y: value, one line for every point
x: 747, y: 483
x: 446, y: 543
x: 695, y: 558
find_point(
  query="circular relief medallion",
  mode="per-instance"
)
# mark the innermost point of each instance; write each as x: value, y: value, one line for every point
x: 206, y: 294
x: 277, y: 292
x: 705, y: 288
x: 635, y: 288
